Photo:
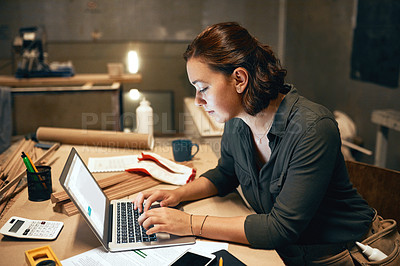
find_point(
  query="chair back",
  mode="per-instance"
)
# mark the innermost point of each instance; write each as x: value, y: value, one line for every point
x: 380, y: 187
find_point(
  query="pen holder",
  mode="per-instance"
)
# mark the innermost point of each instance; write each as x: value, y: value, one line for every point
x: 39, y: 184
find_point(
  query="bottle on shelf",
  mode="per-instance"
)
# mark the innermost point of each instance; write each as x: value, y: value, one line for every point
x: 144, y: 118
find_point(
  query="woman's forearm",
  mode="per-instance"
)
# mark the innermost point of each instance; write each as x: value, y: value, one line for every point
x: 220, y: 228
x: 198, y: 189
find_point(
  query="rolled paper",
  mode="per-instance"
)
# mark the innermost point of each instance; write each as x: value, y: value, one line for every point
x: 103, y: 138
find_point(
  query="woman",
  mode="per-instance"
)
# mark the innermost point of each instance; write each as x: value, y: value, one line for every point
x: 282, y: 149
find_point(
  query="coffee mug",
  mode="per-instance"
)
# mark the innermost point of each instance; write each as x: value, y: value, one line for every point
x: 182, y: 149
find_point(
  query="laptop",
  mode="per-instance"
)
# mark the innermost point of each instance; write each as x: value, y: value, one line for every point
x: 113, y: 222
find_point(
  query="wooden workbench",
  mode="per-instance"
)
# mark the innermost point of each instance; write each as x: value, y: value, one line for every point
x: 76, y: 236
x: 385, y: 119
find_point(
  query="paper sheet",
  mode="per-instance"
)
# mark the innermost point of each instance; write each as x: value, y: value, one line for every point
x: 112, y: 164
x: 154, y: 256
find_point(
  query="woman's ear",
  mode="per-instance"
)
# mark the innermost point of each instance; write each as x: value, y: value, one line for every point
x: 241, y: 78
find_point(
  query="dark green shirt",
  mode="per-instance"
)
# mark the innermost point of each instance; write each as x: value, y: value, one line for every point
x: 302, y: 195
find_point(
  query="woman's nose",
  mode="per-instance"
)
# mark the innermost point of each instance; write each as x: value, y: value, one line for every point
x: 198, y: 100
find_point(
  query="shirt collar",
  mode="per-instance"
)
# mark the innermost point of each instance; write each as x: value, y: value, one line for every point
x: 282, y: 115
x: 236, y: 125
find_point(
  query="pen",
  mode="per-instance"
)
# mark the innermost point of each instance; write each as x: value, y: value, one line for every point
x: 27, y: 163
x: 221, y: 261
x: 30, y: 161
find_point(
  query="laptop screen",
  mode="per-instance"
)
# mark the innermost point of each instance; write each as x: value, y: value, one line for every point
x: 87, y: 194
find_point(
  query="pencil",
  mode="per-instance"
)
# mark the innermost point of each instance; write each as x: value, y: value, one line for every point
x: 30, y: 160
x: 35, y: 169
x: 221, y: 261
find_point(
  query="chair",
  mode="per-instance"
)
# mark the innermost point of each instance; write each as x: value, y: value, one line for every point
x: 380, y: 187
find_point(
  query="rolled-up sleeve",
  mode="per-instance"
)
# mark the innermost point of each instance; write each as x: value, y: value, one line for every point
x: 308, y: 176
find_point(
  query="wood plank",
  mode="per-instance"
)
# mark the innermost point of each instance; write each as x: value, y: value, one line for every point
x: 125, y: 188
x: 85, y: 87
x: 133, y: 190
x: 136, y: 184
x: 378, y: 186
x: 78, y: 79
x: 22, y: 173
x: 18, y: 166
x: 103, y: 183
x: 14, y: 154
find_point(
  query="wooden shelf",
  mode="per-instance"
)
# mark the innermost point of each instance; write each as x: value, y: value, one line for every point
x: 78, y: 79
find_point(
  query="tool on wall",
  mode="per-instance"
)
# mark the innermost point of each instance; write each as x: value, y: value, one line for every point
x: 30, y: 44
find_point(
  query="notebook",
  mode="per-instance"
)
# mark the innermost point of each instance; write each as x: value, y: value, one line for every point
x: 112, y: 164
x: 113, y: 222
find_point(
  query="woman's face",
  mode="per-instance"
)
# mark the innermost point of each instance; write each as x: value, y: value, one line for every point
x: 215, y: 92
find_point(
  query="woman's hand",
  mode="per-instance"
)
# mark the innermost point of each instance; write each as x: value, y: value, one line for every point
x: 167, y: 198
x: 198, y: 189
x: 166, y: 220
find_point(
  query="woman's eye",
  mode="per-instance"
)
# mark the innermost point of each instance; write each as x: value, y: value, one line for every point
x: 203, y: 90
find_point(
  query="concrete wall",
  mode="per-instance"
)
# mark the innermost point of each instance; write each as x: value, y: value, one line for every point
x: 318, y: 52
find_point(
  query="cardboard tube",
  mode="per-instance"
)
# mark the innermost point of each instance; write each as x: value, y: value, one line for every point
x: 102, y: 138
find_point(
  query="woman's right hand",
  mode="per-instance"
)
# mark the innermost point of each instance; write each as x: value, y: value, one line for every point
x: 167, y: 198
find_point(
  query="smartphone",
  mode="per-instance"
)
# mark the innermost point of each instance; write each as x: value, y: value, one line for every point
x: 194, y: 258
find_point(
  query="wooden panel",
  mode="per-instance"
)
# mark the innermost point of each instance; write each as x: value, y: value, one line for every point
x: 380, y: 187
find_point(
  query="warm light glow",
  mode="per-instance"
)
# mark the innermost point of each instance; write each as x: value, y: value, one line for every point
x: 134, y: 94
x: 133, y: 62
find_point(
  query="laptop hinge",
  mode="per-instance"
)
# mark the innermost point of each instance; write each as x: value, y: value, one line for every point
x: 110, y: 222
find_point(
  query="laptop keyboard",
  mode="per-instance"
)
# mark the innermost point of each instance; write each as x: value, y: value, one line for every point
x: 128, y: 228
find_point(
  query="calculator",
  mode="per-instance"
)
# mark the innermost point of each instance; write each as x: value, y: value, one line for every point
x: 32, y: 229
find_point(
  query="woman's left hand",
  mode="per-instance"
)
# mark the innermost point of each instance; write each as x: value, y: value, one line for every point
x: 166, y: 220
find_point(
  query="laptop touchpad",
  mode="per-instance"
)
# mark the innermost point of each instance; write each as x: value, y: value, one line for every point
x: 163, y: 236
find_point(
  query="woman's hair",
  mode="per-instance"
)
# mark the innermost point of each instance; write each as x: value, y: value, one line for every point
x: 227, y: 46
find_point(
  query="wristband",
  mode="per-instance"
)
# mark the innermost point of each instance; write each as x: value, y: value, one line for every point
x: 191, y: 227
x: 201, y: 228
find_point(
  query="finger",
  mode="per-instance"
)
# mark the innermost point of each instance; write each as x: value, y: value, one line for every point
x: 138, y: 201
x: 147, y: 205
x: 156, y: 229
x: 164, y: 203
x: 150, y: 220
x: 150, y: 200
x: 143, y: 218
x: 142, y: 199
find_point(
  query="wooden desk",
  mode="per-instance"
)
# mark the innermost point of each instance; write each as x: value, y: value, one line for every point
x: 82, y: 83
x: 76, y: 236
